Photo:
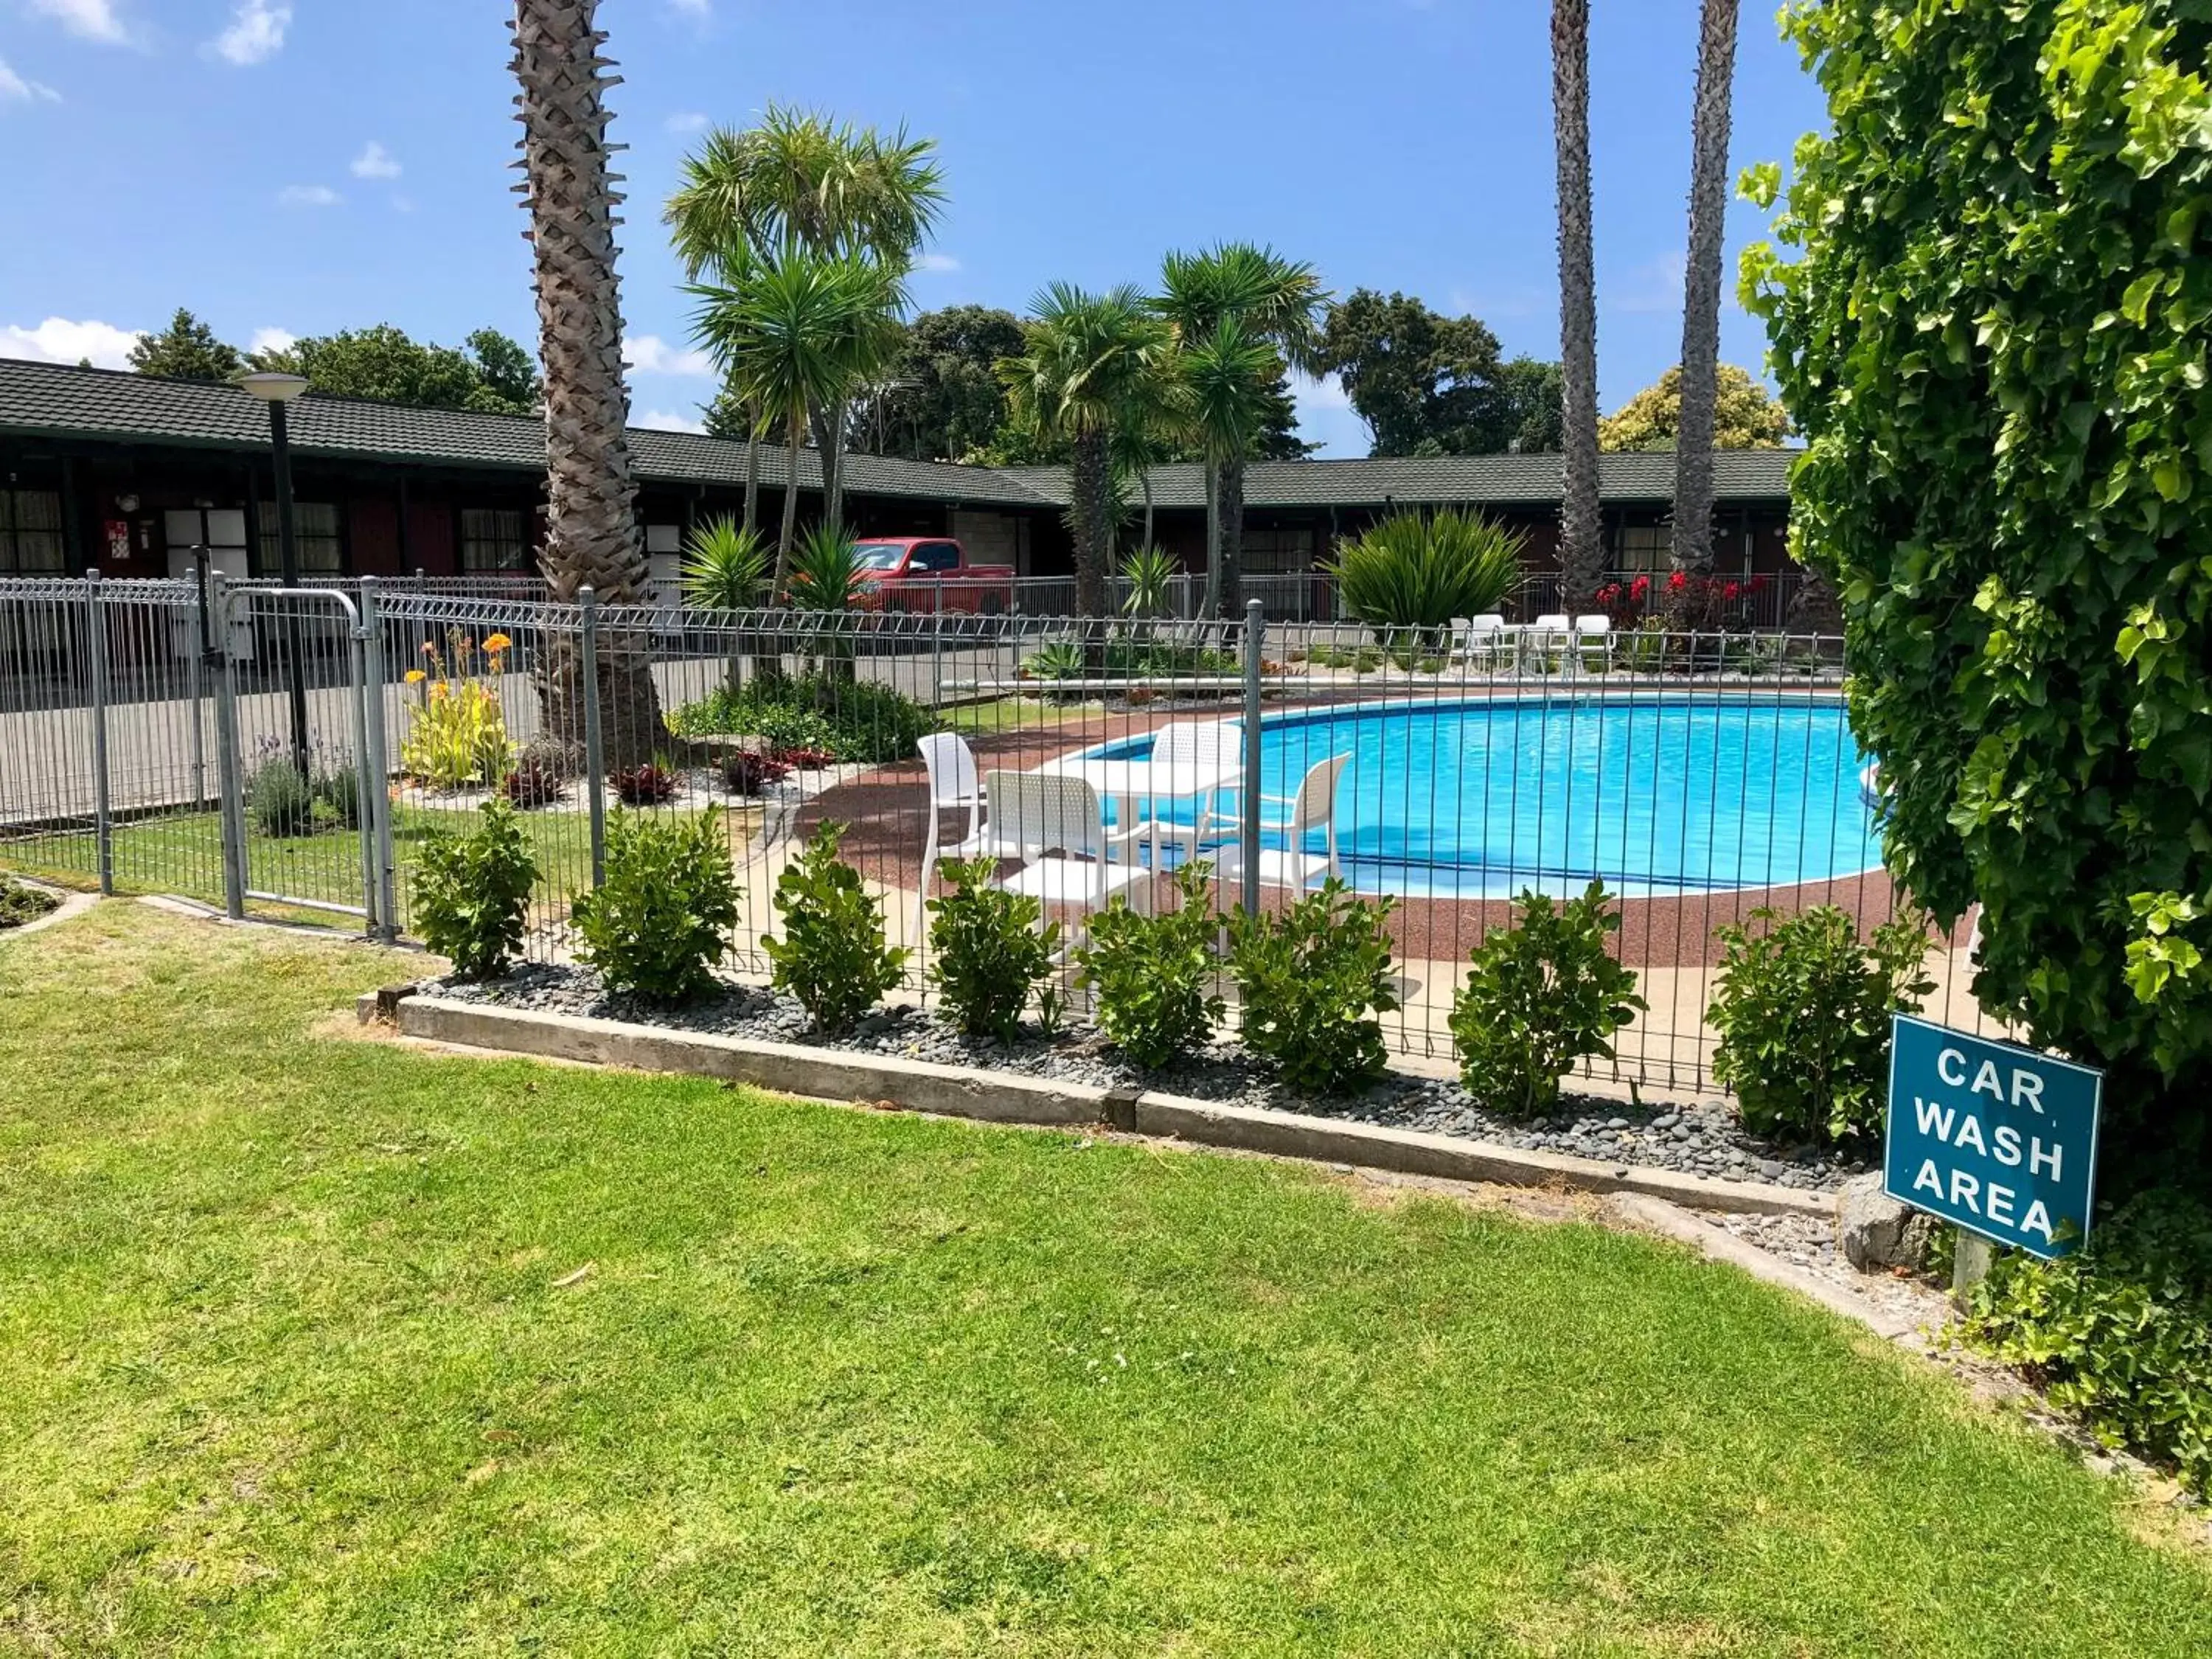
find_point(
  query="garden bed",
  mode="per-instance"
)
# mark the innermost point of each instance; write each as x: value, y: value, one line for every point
x: 1697, y: 1138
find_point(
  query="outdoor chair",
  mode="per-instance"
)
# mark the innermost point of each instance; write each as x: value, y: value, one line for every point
x: 1203, y: 743
x: 953, y: 784
x: 1593, y: 631
x: 1482, y: 640
x: 1044, y: 812
x: 1314, y: 807
x: 1547, y: 633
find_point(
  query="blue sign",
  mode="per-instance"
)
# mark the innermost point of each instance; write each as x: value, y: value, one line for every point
x: 2000, y: 1139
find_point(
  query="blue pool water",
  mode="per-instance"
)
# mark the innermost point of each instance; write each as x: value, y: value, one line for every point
x: 1656, y: 796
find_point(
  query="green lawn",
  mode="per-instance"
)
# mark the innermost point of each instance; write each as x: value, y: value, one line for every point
x: 182, y: 853
x: 296, y: 1357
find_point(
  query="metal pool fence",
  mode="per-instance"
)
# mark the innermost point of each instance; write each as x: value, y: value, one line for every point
x: 292, y: 751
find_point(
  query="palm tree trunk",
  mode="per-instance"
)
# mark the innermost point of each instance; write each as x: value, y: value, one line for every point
x: 828, y: 427
x: 591, y: 535
x: 789, y: 533
x: 1692, y: 549
x: 752, y: 473
x: 1232, y: 513
x: 1089, y: 488
x: 1146, y: 473
x: 1582, y: 527
x: 1212, y: 608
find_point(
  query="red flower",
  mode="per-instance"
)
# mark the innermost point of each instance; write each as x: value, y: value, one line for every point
x: 1732, y: 591
x: 1639, y: 588
x: 1677, y: 582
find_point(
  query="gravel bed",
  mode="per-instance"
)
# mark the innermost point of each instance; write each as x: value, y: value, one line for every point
x: 1699, y: 1139
x: 1810, y: 1241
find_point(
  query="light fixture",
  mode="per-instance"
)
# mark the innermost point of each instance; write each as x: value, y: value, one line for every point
x: 126, y: 504
x: 272, y: 388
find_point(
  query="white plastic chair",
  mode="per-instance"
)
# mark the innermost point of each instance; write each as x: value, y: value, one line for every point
x: 1595, y: 630
x: 1481, y: 638
x: 1314, y: 807
x: 1042, y: 812
x: 1201, y: 742
x: 953, y: 784
x: 1549, y: 633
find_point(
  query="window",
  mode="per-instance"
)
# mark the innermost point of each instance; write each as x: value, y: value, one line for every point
x: 1643, y: 549
x: 31, y: 534
x: 494, y: 539
x: 879, y: 555
x: 935, y: 556
x: 314, y: 528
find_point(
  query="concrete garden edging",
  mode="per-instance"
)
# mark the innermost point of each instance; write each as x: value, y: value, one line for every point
x: 72, y: 905
x: 963, y: 1092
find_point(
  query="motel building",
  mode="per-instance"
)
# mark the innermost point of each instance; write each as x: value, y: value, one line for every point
x: 127, y: 474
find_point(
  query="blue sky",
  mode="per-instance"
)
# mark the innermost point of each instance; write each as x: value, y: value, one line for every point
x: 299, y: 168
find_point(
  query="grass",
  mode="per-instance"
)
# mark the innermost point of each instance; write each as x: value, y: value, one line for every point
x: 182, y: 853
x: 322, y: 1346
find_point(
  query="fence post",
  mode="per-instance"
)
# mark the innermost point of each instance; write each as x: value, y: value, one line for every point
x: 1255, y: 640
x: 595, y: 769
x: 376, y: 766
x: 198, y: 655
x: 95, y: 646
x: 229, y: 782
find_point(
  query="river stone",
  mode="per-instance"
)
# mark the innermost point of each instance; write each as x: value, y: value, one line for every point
x: 1874, y: 1231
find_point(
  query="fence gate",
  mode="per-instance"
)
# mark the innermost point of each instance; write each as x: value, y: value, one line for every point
x: 306, y: 816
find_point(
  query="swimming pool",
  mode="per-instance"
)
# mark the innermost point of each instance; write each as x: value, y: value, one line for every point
x: 1658, y: 796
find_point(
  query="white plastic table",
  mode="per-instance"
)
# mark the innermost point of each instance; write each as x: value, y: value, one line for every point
x: 1126, y: 782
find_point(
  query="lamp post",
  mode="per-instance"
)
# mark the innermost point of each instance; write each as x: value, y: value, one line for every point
x: 278, y: 390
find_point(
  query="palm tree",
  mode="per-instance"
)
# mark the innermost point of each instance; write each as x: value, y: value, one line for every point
x: 725, y: 568
x: 793, y: 333
x: 1275, y: 301
x: 1091, y: 359
x: 591, y: 519
x: 801, y: 185
x: 1701, y: 289
x: 1582, y: 524
x: 1230, y: 375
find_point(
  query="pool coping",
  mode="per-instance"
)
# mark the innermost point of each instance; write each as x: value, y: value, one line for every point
x: 929, y: 1087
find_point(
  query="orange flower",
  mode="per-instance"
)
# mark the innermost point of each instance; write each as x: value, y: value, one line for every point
x: 438, y: 691
x: 415, y: 677
x: 429, y: 648
x: 495, y: 643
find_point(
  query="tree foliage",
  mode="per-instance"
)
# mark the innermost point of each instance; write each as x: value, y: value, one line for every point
x: 186, y: 350
x: 1430, y: 385
x: 940, y: 397
x: 491, y: 373
x: 1745, y: 415
x: 1994, y: 337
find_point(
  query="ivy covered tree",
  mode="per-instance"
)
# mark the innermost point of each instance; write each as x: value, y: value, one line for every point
x: 186, y: 350
x: 1995, y: 334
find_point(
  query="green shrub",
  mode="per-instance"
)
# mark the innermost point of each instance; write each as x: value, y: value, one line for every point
x: 1056, y: 659
x: 1803, y: 1009
x: 1154, y: 975
x: 832, y: 955
x: 472, y: 891
x: 1314, y: 982
x: 989, y: 952
x: 859, y: 720
x: 1539, y: 997
x: 280, y: 803
x: 20, y: 902
x: 661, y: 920
x: 1997, y: 349
x: 1422, y: 571
x: 338, y: 795
x: 2120, y: 1334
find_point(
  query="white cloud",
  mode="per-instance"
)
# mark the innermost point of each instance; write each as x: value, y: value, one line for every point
x: 14, y: 90
x: 1326, y: 417
x: 256, y: 33
x: 95, y: 20
x: 375, y: 161
x: 307, y: 196
x: 663, y: 419
x: 937, y: 262
x: 272, y: 339
x: 691, y: 7
x: 649, y: 354
x: 57, y: 340
x: 684, y: 121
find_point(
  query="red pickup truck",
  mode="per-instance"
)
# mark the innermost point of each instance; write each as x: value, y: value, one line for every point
x: 920, y: 573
